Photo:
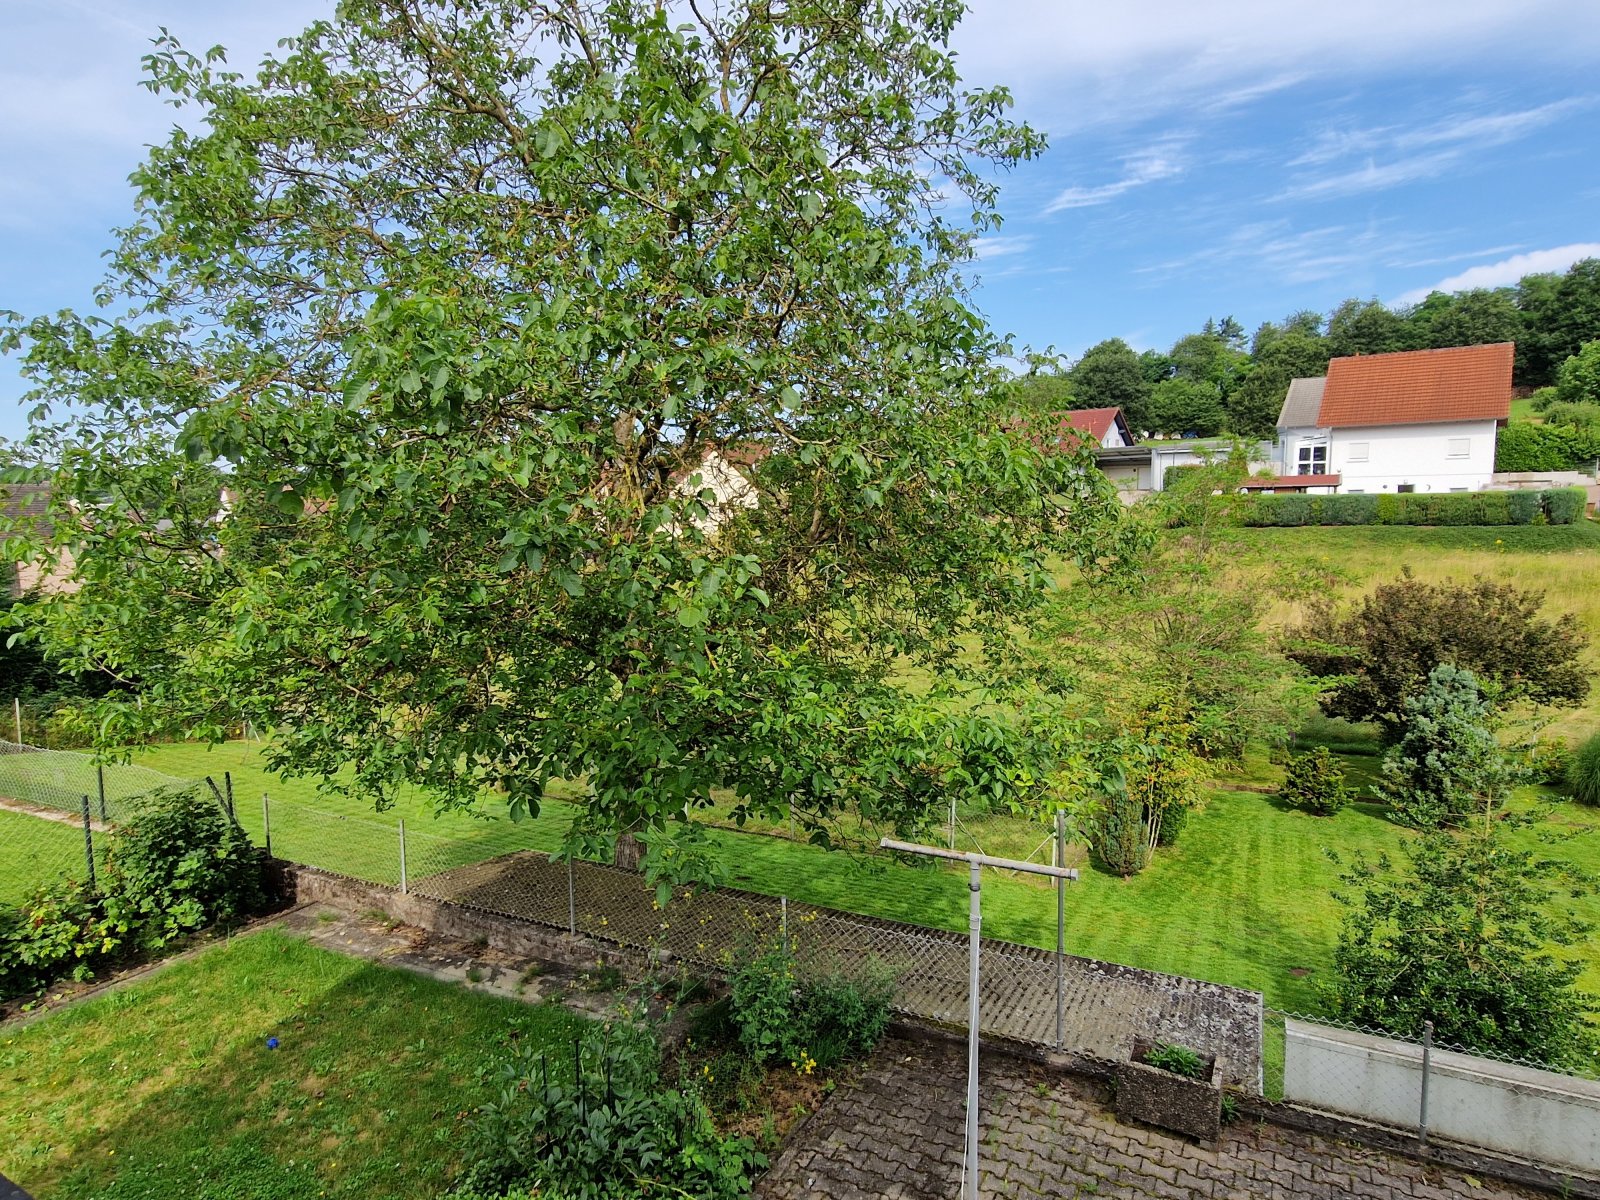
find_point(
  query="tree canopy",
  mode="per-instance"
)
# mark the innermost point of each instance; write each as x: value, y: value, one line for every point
x: 467, y: 308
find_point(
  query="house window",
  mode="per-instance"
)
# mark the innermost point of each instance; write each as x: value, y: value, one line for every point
x: 1357, y: 451
x: 1458, y: 448
x: 1406, y: 487
x: 1313, y: 460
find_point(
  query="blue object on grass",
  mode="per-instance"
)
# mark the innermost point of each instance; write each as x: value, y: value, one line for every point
x: 272, y: 1043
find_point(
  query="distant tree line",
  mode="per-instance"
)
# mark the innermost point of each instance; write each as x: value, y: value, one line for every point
x: 1218, y: 380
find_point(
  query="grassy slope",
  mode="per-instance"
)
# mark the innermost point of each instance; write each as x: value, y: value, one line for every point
x: 167, y: 1088
x: 1244, y: 898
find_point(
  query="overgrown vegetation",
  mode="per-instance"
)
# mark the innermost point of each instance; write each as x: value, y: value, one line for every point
x: 600, y: 1121
x: 783, y: 1014
x: 1180, y: 1060
x: 177, y: 866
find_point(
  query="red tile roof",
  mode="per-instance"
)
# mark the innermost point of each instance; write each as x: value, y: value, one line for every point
x: 1415, y: 387
x: 1096, y: 422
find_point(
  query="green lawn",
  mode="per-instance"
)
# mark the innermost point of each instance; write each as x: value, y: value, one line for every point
x: 34, y: 851
x: 1244, y: 897
x: 167, y: 1089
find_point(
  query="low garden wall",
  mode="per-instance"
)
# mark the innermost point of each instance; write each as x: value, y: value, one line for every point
x: 1550, y: 1119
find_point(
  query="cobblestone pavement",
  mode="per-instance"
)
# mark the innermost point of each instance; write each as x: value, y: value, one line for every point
x: 1104, y: 1006
x: 897, y: 1132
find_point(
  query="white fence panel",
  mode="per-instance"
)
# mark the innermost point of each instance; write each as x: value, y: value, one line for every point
x: 1542, y: 1116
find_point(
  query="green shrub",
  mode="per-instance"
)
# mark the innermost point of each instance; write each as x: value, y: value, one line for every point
x: 1448, y: 765
x: 1547, y: 761
x: 1119, y: 835
x: 602, y: 1124
x: 60, y: 930
x: 1583, y: 771
x: 1564, y: 506
x: 179, y: 865
x: 1524, y: 507
x: 1293, y: 509
x: 1387, y: 509
x: 1315, y: 783
x: 1347, y: 510
x: 807, y: 1021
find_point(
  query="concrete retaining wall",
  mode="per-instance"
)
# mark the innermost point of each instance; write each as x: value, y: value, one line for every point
x: 1547, y: 1118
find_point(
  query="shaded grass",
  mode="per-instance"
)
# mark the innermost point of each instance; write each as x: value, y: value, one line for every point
x: 167, y: 1088
x: 34, y: 851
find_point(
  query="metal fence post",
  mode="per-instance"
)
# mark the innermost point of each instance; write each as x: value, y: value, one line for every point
x: 266, y: 824
x: 88, y: 843
x: 16, y: 711
x: 572, y: 901
x: 227, y: 784
x: 100, y: 776
x: 1061, y: 930
x: 783, y: 920
x: 402, y: 856
x: 952, y: 822
x: 1427, y: 1066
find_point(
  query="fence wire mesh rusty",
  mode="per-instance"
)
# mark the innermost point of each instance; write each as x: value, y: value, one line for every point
x: 1102, y: 1006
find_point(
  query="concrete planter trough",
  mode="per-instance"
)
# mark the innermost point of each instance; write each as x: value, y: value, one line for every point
x: 1160, y: 1097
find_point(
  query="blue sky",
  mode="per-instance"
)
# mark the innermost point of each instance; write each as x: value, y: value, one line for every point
x: 1250, y: 157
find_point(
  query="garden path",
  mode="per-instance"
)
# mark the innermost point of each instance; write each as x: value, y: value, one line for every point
x: 898, y: 1130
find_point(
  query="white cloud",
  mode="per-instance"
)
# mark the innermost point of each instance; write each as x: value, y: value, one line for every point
x: 1082, y: 63
x: 998, y: 246
x: 1421, y: 152
x: 1507, y: 270
x: 1150, y: 165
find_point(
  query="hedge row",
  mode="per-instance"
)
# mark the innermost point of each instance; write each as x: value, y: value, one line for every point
x: 1523, y: 446
x: 1557, y: 506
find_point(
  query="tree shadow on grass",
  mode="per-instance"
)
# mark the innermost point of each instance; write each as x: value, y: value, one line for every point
x: 368, y: 1094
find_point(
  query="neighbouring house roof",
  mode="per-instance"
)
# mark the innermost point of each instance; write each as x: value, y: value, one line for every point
x: 1289, y: 483
x: 1097, y: 423
x: 1415, y: 387
x: 1302, y: 404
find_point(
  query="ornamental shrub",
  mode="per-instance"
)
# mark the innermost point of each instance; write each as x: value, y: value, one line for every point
x: 1314, y: 783
x: 1564, y: 506
x: 1119, y: 834
x: 1524, y: 507
x: 61, y: 930
x: 1583, y: 771
x: 1448, y: 765
x: 1387, y: 509
x: 1547, y: 761
x: 601, y: 1123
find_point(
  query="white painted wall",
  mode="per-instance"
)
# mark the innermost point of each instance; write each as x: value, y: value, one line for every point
x: 1421, y: 455
x: 1539, y: 1115
x: 1113, y: 437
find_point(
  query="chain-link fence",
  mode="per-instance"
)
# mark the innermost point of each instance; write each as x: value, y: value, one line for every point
x: 1417, y: 1084
x: 1029, y: 995
x: 56, y: 806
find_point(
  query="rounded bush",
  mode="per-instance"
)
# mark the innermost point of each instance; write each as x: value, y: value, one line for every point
x: 1583, y: 771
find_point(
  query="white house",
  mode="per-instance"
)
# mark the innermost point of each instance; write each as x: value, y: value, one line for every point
x: 1416, y: 421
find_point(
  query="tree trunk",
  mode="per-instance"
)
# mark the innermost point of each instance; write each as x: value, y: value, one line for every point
x: 628, y: 853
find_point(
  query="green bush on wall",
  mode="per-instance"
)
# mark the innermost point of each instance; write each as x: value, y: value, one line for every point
x: 1558, y: 506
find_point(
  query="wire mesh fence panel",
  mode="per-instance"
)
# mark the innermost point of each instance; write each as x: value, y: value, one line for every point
x: 33, y: 777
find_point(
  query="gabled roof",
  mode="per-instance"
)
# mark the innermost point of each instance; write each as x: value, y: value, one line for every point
x: 1302, y: 404
x: 1415, y: 387
x: 1097, y: 423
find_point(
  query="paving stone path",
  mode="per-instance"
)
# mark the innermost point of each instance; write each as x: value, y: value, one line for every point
x: 898, y: 1130
x: 1105, y: 1006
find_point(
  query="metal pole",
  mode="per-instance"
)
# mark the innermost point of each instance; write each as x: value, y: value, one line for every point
x: 266, y: 824
x: 16, y: 709
x: 100, y: 777
x: 1427, y: 1065
x: 975, y: 863
x: 974, y: 944
x: 402, y: 856
x: 952, y: 822
x: 88, y: 843
x: 783, y: 918
x: 227, y: 783
x: 572, y: 901
x: 1061, y: 931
